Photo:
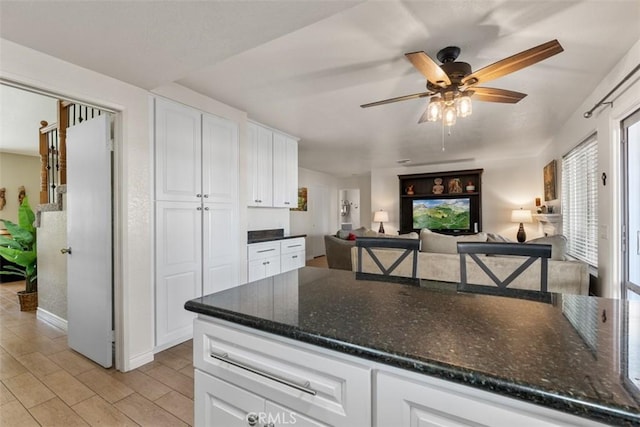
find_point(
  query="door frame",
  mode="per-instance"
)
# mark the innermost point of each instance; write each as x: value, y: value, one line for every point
x: 624, y: 162
x: 116, y: 203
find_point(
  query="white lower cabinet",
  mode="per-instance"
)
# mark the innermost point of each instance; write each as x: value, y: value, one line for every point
x: 270, y: 258
x: 292, y: 254
x: 242, y: 377
x: 418, y: 400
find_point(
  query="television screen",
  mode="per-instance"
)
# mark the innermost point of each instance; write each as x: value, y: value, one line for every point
x: 442, y: 214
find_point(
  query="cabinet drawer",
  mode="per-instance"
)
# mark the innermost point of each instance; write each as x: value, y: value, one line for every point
x: 320, y: 386
x: 263, y: 250
x: 292, y: 245
x: 291, y: 261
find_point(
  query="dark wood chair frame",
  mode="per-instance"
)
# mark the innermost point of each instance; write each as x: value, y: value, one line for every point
x: 532, y: 251
x: 410, y: 246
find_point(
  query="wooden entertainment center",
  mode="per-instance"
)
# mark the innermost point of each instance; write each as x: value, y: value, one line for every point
x: 462, y: 187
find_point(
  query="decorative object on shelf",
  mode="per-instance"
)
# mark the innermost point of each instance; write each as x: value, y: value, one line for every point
x: 521, y: 216
x: 438, y: 188
x: 410, y: 190
x: 302, y: 200
x: 21, y: 193
x: 549, y: 209
x: 470, y: 187
x: 538, y: 207
x: 549, y: 178
x: 3, y: 200
x: 381, y: 217
x: 455, y: 186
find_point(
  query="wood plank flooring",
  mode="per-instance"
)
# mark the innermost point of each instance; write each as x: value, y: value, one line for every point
x: 45, y: 383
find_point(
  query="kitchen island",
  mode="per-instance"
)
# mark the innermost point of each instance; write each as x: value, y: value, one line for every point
x: 318, y: 347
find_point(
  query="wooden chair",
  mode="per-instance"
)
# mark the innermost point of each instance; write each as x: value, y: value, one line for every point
x: 410, y: 246
x: 532, y: 251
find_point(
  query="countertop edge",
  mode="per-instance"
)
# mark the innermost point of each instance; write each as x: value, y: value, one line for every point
x: 431, y: 368
x: 272, y: 239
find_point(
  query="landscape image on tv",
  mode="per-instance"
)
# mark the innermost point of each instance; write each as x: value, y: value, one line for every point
x: 442, y: 214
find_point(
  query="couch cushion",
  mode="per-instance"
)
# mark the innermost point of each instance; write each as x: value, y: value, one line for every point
x: 442, y: 243
x: 558, y: 245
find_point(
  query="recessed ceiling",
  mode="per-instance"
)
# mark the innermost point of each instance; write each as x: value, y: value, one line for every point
x: 306, y: 67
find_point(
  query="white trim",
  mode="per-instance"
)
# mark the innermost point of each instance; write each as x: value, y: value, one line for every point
x: 51, y: 318
x: 139, y: 360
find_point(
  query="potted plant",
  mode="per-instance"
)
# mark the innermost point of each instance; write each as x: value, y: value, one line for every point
x: 20, y: 249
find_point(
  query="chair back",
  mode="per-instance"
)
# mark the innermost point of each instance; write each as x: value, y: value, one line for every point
x: 533, y: 252
x: 368, y: 244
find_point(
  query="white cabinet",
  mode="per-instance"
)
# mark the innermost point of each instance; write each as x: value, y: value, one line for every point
x: 272, y: 168
x: 416, y: 400
x: 239, y: 374
x: 270, y: 258
x: 285, y: 171
x: 292, y: 254
x: 264, y: 260
x: 196, y: 213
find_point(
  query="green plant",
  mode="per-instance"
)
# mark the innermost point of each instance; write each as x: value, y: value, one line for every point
x: 20, y: 247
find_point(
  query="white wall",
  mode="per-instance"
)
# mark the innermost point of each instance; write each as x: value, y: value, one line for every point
x: 133, y: 181
x: 506, y: 185
x: 606, y: 122
x: 18, y: 170
x: 321, y: 217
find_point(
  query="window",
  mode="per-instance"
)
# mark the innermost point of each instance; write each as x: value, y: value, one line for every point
x: 580, y: 201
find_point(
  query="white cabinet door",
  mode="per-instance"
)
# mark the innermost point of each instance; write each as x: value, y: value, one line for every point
x: 218, y: 403
x: 285, y: 171
x: 291, y: 261
x: 220, y: 166
x: 263, y: 267
x: 178, y: 152
x: 280, y: 416
x: 220, y: 247
x: 260, y: 166
x: 178, y: 268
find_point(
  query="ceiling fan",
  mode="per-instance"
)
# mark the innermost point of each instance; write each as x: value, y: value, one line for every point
x: 451, y: 84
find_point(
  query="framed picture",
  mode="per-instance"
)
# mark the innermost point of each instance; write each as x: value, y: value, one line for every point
x: 302, y: 200
x: 549, y: 179
x: 454, y: 186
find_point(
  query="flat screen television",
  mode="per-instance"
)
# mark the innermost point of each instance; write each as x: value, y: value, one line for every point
x: 442, y: 214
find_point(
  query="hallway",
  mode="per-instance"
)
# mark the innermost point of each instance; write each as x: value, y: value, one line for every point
x: 44, y: 382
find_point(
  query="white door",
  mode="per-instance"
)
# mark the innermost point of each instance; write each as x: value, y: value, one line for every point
x: 89, y: 239
x: 318, y: 202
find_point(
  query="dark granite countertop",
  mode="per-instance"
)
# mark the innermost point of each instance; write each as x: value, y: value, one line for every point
x: 259, y: 236
x: 571, y: 355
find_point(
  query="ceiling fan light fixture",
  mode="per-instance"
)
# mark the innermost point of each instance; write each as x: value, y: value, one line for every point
x: 434, y: 110
x: 449, y: 115
x: 463, y: 106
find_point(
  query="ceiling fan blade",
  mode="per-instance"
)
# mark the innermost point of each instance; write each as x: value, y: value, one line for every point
x: 514, y: 63
x: 423, y: 117
x: 489, y: 94
x: 400, y: 98
x: 429, y: 68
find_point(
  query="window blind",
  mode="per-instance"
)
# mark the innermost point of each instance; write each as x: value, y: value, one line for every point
x: 580, y: 201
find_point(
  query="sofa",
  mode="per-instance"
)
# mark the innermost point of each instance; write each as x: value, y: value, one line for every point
x: 438, y: 260
x: 338, y: 246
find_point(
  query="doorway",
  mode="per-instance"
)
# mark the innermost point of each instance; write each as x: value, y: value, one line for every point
x: 54, y: 233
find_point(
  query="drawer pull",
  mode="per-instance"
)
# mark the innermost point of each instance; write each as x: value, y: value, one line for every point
x: 305, y: 388
x: 266, y: 250
x: 295, y: 256
x: 294, y: 246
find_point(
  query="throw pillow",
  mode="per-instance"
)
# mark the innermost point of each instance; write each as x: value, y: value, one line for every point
x: 493, y: 237
x: 442, y: 243
x: 343, y: 234
x: 558, y: 245
x: 351, y: 236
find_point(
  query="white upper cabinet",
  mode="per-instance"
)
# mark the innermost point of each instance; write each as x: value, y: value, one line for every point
x: 272, y: 168
x: 285, y: 171
x: 219, y: 160
x: 178, y: 152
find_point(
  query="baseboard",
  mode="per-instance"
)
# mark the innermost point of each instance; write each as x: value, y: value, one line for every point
x: 51, y: 318
x: 141, y: 359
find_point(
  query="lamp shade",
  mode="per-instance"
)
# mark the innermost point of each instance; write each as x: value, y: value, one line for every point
x: 521, y: 215
x: 381, y: 216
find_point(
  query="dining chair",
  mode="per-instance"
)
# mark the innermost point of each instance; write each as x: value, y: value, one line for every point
x: 531, y: 251
x: 374, y: 246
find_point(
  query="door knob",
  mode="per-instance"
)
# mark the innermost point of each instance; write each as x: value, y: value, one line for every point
x: 65, y: 251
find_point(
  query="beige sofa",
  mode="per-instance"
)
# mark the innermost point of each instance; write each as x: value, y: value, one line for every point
x: 439, y: 261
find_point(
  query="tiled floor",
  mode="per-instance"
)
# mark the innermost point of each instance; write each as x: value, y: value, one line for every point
x: 44, y: 382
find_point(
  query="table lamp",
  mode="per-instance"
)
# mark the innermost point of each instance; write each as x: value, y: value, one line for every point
x: 381, y: 216
x: 521, y: 216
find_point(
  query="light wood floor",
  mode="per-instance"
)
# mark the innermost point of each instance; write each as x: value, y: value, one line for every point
x: 44, y: 382
x: 320, y: 261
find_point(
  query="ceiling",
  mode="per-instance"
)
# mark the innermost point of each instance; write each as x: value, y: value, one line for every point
x: 306, y: 67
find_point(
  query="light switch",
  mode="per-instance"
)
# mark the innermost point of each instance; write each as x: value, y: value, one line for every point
x: 604, y: 232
